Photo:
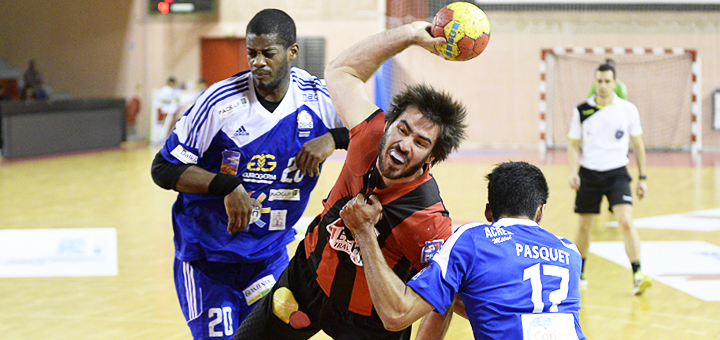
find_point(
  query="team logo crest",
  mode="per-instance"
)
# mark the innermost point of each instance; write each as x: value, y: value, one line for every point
x: 430, y: 249
x: 304, y: 123
x: 619, y: 134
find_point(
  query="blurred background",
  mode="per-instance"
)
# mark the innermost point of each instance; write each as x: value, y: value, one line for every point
x: 77, y: 149
x: 129, y: 49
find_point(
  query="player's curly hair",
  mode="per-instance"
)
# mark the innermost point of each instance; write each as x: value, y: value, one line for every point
x: 274, y: 21
x: 516, y: 189
x: 437, y: 107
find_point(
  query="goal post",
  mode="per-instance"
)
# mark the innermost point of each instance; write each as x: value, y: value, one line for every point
x: 664, y: 83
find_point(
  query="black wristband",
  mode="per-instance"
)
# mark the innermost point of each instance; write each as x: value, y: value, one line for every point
x: 341, y: 136
x: 223, y: 184
x: 642, y: 177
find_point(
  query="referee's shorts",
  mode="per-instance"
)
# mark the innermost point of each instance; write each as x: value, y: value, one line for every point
x: 614, y: 184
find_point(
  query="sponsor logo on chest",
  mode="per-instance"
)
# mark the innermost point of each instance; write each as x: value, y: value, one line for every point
x: 259, y: 169
x: 232, y: 107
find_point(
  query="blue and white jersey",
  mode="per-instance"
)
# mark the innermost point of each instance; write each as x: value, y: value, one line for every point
x: 517, y: 280
x: 228, y: 130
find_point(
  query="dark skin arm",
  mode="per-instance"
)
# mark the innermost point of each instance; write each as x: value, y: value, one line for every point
x: 313, y: 153
x: 238, y: 204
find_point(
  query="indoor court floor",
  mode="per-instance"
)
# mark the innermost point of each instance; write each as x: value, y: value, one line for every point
x: 86, y: 247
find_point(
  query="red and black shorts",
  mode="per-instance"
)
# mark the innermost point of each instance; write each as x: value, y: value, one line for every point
x: 297, y: 308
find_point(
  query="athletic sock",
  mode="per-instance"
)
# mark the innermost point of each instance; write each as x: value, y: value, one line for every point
x: 635, y: 266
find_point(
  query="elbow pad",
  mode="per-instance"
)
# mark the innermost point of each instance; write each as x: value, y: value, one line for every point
x: 166, y: 174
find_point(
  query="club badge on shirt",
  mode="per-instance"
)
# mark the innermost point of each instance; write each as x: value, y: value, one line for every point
x: 430, y: 249
x: 304, y: 124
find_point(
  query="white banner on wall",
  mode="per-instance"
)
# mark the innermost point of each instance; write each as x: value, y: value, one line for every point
x: 62, y: 252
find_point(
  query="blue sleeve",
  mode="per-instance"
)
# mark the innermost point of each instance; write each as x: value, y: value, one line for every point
x: 440, y: 281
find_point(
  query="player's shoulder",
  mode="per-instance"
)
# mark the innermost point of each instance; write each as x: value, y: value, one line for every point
x: 238, y: 83
x: 469, y: 230
x: 620, y: 100
x: 298, y: 73
x: 586, y: 104
x: 305, y: 81
x: 624, y: 104
x: 471, y: 227
x: 226, y: 95
x: 421, y: 196
x: 567, y: 243
x: 240, y: 79
x: 550, y: 239
x: 467, y: 241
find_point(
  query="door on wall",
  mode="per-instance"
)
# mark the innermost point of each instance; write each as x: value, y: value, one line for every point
x: 221, y: 58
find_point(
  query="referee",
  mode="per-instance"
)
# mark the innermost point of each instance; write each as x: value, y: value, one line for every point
x: 603, y: 126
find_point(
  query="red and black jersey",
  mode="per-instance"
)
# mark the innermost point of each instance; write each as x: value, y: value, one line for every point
x: 413, y: 217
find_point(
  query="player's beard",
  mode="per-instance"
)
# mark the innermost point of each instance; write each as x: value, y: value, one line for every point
x: 278, y: 76
x: 410, y: 169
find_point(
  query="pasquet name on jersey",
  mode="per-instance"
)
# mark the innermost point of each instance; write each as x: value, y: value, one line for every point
x: 545, y: 253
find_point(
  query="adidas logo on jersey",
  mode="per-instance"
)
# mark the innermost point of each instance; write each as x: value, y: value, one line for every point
x: 241, y: 132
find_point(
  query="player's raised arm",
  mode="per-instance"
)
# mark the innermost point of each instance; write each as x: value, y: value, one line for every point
x: 346, y: 75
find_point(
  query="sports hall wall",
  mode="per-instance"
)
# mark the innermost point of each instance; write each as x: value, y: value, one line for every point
x: 114, y: 49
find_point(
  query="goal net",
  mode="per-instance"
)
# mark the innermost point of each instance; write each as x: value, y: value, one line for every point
x: 659, y: 82
x: 566, y: 42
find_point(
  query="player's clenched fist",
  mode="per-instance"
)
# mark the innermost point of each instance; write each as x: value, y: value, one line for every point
x: 360, y: 214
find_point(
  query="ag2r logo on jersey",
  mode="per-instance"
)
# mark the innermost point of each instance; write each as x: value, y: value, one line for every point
x: 264, y: 163
x: 259, y: 168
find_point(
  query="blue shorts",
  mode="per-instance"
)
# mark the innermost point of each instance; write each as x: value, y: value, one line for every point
x: 216, y: 297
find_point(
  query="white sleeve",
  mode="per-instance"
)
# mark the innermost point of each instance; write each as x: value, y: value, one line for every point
x: 635, y: 128
x: 196, y: 129
x: 575, y: 126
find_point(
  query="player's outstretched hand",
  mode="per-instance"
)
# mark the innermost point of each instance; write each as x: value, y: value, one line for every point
x: 313, y: 153
x: 361, y: 215
x: 238, y: 206
x: 424, y: 39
